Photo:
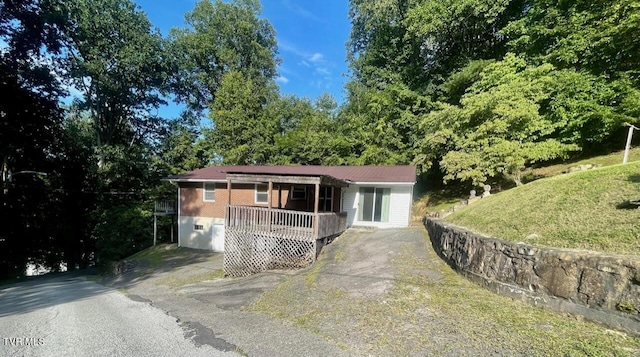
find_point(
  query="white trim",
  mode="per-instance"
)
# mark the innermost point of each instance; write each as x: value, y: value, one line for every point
x: 350, y: 182
x: 204, y: 192
x: 195, y: 180
x: 383, y: 183
x: 255, y: 195
x: 410, y: 207
x: 178, y: 217
x: 373, y: 206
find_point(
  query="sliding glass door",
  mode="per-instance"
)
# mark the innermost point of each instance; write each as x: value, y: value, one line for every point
x: 374, y: 204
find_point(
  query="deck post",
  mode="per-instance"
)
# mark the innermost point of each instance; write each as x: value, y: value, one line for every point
x: 315, y: 210
x: 269, y: 194
x: 229, y: 191
x: 155, y: 228
x: 279, y: 196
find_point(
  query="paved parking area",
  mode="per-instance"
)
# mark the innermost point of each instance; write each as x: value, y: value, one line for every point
x: 370, y: 293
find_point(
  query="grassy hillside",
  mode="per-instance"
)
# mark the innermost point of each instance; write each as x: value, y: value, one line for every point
x: 434, y: 201
x: 614, y: 158
x: 578, y: 210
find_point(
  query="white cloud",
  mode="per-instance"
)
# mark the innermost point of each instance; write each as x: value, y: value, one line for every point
x: 282, y: 79
x: 316, y: 57
x: 289, y: 47
x: 284, y: 70
x: 319, y: 66
x: 299, y: 10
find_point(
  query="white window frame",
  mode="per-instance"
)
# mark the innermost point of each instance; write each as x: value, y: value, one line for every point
x: 373, y: 206
x: 293, y: 189
x: 204, y: 191
x: 255, y: 197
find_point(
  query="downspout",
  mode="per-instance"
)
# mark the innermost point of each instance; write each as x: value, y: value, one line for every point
x: 411, y: 205
x: 178, y: 203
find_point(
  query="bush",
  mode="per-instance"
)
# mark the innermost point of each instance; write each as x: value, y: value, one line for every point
x: 123, y: 230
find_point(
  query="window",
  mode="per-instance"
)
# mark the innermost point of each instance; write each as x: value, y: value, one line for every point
x: 262, y: 193
x: 298, y: 193
x: 198, y: 227
x: 325, y: 204
x: 209, y: 194
x: 374, y: 204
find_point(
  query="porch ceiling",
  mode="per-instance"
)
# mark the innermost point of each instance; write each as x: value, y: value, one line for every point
x: 292, y: 179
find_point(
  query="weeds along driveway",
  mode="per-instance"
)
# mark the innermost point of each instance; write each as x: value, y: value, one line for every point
x: 189, y: 285
x: 371, y: 292
x: 387, y: 293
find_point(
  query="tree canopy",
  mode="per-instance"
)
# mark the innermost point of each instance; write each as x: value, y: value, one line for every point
x: 470, y: 91
x: 488, y: 87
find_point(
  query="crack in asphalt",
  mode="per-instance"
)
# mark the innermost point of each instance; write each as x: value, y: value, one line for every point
x: 138, y: 298
x: 202, y: 335
x: 194, y: 331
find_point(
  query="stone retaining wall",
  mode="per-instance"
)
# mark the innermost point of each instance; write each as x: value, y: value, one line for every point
x: 601, y: 287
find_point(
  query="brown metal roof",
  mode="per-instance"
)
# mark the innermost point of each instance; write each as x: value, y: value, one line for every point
x: 405, y: 174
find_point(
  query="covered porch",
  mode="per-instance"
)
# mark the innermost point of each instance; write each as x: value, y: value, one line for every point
x: 268, y: 236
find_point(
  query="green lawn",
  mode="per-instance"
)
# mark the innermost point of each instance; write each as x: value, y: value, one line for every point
x: 442, y: 200
x: 614, y: 158
x: 153, y: 256
x: 577, y: 210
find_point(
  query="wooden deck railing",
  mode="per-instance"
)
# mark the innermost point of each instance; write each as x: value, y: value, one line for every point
x: 330, y: 224
x: 165, y: 206
x: 287, y: 223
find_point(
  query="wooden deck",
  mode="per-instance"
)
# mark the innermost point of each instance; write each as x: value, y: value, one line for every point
x: 286, y: 223
x: 259, y: 239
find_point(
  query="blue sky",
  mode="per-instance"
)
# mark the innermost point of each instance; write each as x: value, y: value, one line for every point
x: 311, y: 36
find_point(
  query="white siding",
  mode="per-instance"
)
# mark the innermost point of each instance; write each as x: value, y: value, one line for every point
x: 350, y: 203
x: 399, y: 205
x: 211, y: 237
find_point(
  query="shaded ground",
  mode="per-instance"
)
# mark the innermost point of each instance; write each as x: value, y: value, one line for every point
x: 371, y: 293
x: 67, y: 316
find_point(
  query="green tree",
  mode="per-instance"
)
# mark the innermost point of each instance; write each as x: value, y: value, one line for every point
x: 311, y: 133
x: 179, y: 149
x: 383, y: 124
x: 116, y: 62
x: 76, y: 183
x: 221, y: 37
x: 500, y: 126
x: 47, y: 213
x: 455, y: 32
x: 381, y: 49
x: 597, y: 36
x: 241, y: 132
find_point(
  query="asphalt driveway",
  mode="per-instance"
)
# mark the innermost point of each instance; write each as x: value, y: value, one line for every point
x: 370, y: 293
x: 65, y: 316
